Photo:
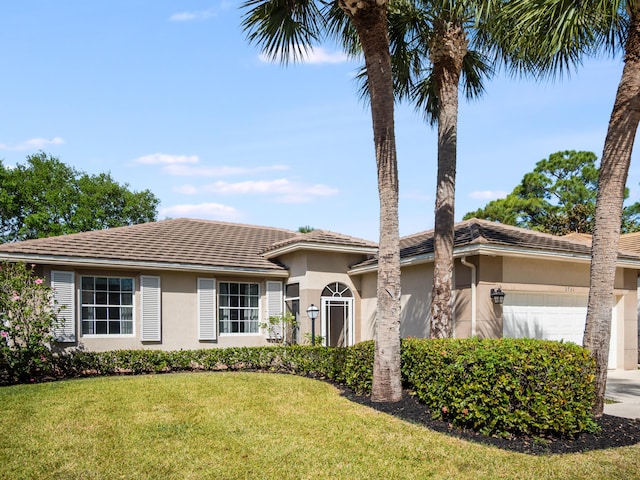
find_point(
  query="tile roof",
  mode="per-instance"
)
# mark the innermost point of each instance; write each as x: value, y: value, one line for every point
x: 322, y: 237
x: 581, y: 237
x: 178, y: 241
x: 484, y: 232
x: 630, y: 242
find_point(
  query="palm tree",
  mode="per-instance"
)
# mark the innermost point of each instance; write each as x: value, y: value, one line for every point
x: 433, y: 45
x: 556, y: 35
x: 287, y: 29
x: 448, y: 43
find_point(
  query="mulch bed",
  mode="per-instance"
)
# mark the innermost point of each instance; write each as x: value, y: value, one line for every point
x: 615, y: 431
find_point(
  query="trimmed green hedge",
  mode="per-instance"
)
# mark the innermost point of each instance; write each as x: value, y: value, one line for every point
x: 494, y: 386
x: 503, y: 386
x: 302, y: 360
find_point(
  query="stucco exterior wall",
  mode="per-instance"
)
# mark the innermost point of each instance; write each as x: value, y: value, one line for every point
x: 415, y: 313
x: 179, y: 313
x: 545, y: 272
x: 368, y: 304
x: 512, y: 274
x: 313, y: 271
x: 629, y: 302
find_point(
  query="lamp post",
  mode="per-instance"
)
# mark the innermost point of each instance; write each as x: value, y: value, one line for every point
x: 312, y: 313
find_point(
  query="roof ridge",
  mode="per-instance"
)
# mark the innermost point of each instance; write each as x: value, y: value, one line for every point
x: 343, y: 235
x: 223, y: 222
x: 529, y: 231
x: 455, y: 225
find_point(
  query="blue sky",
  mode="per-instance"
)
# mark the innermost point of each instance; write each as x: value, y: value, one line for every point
x: 168, y: 95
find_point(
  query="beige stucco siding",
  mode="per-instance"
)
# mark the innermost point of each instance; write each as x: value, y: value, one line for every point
x: 545, y: 272
x: 415, y: 311
x: 415, y: 302
x: 512, y: 274
x: 630, y: 320
x: 368, y: 306
x: 313, y: 271
x: 179, y: 313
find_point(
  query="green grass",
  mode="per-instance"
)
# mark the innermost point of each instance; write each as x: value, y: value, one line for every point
x: 246, y: 426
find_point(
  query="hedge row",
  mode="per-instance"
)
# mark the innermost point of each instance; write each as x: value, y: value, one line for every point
x: 504, y: 386
x: 302, y: 360
x: 497, y: 387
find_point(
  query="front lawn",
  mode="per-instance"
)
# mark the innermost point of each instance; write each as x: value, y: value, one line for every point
x: 246, y: 426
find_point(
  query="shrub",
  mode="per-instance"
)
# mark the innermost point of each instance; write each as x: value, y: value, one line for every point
x: 357, y: 372
x: 504, y: 386
x: 27, y: 319
x: 323, y: 362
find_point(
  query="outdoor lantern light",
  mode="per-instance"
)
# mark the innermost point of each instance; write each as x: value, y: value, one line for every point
x: 497, y: 295
x: 312, y: 312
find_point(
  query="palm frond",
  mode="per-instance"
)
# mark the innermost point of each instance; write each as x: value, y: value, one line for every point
x: 425, y: 97
x: 284, y: 30
x: 408, y: 31
x: 476, y: 67
x: 549, y: 37
x: 341, y: 28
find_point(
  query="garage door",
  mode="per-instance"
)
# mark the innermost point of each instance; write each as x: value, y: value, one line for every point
x: 550, y: 317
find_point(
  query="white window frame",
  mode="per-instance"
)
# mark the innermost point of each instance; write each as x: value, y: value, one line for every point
x: 220, y: 307
x: 133, y: 310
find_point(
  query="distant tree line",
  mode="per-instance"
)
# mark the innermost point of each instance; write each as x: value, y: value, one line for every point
x: 44, y: 197
x: 557, y: 197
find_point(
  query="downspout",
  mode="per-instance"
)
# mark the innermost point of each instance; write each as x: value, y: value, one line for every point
x: 464, y: 262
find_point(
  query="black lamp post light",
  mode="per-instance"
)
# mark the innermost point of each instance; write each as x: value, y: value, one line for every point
x: 497, y: 295
x: 312, y: 313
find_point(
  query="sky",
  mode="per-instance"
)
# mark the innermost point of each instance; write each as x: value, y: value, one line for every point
x: 169, y: 96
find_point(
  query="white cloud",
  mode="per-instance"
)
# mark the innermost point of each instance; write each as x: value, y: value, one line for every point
x: 199, y: 14
x: 282, y: 190
x: 223, y: 171
x: 186, y: 189
x: 313, y: 56
x: 488, y: 194
x: 183, y: 17
x: 164, y: 159
x: 32, y: 144
x: 208, y: 211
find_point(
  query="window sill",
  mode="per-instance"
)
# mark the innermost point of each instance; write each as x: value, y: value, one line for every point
x: 109, y: 336
x: 239, y: 334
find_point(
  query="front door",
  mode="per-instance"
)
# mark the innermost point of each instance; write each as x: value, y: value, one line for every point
x: 337, y: 321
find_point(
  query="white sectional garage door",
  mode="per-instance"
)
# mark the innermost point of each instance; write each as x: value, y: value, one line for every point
x: 549, y: 317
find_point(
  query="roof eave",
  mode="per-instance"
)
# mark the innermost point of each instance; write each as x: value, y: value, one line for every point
x: 504, y: 251
x: 83, y: 262
x: 317, y: 246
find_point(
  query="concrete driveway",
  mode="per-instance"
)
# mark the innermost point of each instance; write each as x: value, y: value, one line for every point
x: 623, y: 386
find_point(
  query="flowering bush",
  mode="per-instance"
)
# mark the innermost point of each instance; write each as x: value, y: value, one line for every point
x: 27, y: 320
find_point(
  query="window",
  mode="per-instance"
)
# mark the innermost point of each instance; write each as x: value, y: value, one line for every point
x: 107, y: 306
x: 238, y: 307
x: 292, y: 303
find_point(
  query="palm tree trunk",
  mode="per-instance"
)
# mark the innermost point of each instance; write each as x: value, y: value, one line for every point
x: 614, y: 168
x: 446, y: 54
x: 370, y: 21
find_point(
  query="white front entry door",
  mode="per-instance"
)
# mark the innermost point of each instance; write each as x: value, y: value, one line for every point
x: 337, y: 321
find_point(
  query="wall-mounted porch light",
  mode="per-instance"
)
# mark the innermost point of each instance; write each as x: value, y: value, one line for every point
x: 497, y: 295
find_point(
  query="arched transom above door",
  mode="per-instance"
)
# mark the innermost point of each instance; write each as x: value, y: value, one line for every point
x: 337, y: 289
